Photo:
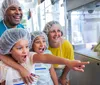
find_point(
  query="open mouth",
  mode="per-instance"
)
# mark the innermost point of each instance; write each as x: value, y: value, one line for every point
x: 57, y: 38
x: 17, y: 18
x: 41, y: 50
x: 24, y: 58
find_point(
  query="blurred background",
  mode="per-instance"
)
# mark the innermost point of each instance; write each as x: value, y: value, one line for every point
x: 80, y: 19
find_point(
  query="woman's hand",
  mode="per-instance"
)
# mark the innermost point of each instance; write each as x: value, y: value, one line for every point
x: 77, y: 65
x: 63, y: 81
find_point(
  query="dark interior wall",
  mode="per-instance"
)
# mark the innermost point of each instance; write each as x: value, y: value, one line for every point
x: 73, y: 4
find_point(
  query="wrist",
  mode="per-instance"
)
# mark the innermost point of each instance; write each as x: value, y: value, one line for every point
x: 62, y: 77
x: 68, y: 63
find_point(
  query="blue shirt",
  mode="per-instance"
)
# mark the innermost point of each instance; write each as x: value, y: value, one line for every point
x: 3, y: 27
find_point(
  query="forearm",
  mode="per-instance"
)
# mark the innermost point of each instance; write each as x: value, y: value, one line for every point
x: 54, y: 76
x: 65, y: 72
x: 10, y: 62
x: 48, y: 58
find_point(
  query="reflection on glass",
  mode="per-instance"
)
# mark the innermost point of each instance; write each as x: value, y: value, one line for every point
x: 85, y: 25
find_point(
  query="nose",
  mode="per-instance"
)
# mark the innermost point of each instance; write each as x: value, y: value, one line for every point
x: 24, y: 51
x: 17, y: 11
x: 56, y: 33
x: 41, y: 44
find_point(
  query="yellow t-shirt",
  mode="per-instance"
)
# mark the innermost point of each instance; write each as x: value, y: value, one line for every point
x: 65, y: 51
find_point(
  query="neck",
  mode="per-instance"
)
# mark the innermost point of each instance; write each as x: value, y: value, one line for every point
x: 8, y: 25
x: 54, y: 44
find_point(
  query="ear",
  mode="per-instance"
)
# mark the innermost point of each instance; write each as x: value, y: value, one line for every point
x: 10, y: 52
x: 61, y: 33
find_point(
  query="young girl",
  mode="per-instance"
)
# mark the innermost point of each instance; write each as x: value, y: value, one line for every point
x: 46, y: 72
x: 15, y: 43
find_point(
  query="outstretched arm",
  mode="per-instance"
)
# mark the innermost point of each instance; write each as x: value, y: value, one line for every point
x: 48, y: 58
x: 27, y: 77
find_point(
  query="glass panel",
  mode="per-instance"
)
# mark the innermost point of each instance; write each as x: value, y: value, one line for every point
x: 85, y: 25
x: 48, y: 12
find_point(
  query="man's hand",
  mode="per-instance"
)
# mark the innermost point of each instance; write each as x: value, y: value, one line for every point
x: 27, y: 77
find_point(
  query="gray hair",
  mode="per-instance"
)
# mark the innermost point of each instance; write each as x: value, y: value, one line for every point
x: 49, y: 25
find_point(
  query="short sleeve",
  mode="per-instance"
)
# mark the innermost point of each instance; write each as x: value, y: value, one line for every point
x: 67, y: 49
x: 31, y: 56
x: 3, y: 71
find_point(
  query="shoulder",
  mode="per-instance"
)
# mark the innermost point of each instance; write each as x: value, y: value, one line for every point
x: 20, y: 26
x: 32, y: 53
x: 3, y: 65
x: 3, y: 71
x: 1, y: 24
x: 1, y: 21
x: 66, y: 42
x: 48, y: 52
x: 3, y: 28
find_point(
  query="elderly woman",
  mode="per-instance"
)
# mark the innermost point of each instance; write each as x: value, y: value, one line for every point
x: 59, y: 47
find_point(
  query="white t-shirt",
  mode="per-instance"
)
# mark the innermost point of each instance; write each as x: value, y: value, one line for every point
x: 12, y: 76
x: 42, y: 70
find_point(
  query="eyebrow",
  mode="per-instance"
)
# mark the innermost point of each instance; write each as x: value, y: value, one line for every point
x: 38, y: 39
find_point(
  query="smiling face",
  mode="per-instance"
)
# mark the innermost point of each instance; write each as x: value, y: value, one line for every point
x: 54, y: 34
x: 20, y: 51
x: 13, y: 16
x: 39, y: 44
